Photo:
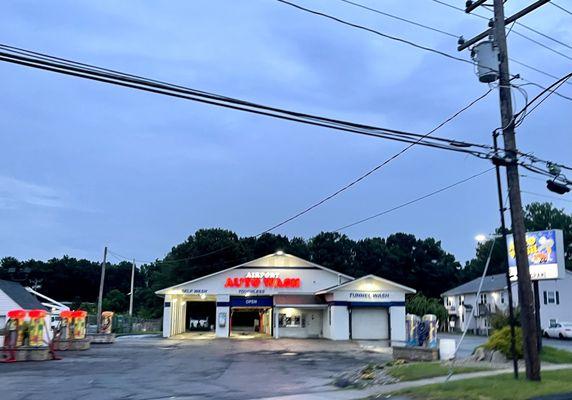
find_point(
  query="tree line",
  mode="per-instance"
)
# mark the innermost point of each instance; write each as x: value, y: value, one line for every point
x: 419, y: 263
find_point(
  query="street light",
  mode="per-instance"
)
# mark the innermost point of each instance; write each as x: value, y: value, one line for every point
x: 481, y: 238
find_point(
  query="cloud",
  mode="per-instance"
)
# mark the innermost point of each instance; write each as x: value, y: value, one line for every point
x: 15, y: 193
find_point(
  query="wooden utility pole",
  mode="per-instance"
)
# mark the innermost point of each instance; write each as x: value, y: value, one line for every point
x: 530, y: 331
x: 132, y: 288
x: 100, y: 297
x: 525, y: 296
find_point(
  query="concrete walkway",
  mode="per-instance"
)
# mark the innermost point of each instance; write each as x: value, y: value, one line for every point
x: 354, y: 394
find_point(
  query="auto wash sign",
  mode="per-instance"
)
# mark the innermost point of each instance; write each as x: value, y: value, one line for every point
x: 545, y: 251
x: 268, y: 280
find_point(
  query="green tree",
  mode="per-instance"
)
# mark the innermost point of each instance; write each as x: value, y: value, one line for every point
x: 421, y: 305
x: 115, y: 301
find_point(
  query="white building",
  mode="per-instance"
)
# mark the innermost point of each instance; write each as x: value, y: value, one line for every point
x: 14, y: 296
x: 281, y: 295
x: 555, y: 302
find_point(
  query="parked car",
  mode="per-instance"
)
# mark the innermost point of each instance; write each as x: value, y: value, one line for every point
x: 560, y: 330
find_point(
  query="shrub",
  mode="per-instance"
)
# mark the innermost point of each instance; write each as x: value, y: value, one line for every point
x: 501, y: 319
x: 500, y: 340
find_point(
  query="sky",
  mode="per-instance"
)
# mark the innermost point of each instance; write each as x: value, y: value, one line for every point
x: 86, y: 165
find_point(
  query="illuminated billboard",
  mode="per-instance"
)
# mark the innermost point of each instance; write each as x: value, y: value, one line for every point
x: 545, y: 255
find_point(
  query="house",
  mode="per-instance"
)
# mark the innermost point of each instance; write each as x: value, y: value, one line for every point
x: 460, y: 302
x: 15, y: 296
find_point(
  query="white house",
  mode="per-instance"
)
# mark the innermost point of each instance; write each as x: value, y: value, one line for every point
x: 555, y: 301
x: 281, y: 295
x: 14, y: 296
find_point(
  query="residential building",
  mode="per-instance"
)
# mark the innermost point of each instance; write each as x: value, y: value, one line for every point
x: 461, y: 302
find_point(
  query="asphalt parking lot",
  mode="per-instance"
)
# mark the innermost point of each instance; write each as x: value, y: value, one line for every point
x: 155, y: 368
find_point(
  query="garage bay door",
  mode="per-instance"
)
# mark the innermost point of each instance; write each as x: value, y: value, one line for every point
x: 370, y: 323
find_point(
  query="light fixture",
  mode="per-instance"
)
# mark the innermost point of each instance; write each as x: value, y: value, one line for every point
x: 279, y: 253
x: 247, y: 294
x: 203, y: 296
x: 556, y: 187
x: 481, y: 238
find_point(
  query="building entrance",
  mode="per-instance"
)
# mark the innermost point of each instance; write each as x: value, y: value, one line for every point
x: 246, y: 321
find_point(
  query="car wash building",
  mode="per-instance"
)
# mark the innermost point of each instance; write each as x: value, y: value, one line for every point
x: 281, y: 295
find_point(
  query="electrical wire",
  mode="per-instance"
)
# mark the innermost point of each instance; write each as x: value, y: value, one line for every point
x: 430, y: 194
x: 429, y: 49
x: 377, y: 11
x: 561, y: 8
x: 223, y: 101
x: 546, y: 93
x: 524, y: 36
x: 377, y: 167
x: 546, y: 196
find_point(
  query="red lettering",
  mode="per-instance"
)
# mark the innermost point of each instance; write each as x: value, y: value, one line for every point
x: 266, y: 282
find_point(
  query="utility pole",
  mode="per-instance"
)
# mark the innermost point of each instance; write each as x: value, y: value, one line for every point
x: 132, y: 288
x: 510, y: 161
x: 507, y: 273
x: 100, y: 298
x: 526, y: 299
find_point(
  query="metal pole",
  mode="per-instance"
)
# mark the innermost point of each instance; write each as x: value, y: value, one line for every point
x: 537, y: 312
x: 507, y: 273
x: 525, y: 295
x: 132, y: 288
x: 100, y: 297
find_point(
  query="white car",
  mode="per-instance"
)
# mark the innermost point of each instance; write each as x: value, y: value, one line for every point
x: 560, y: 330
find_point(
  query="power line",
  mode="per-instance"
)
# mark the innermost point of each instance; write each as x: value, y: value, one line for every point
x: 546, y: 196
x: 236, y: 104
x: 522, y: 35
x: 548, y: 91
x: 361, y: 221
x: 377, y: 167
x: 401, y: 19
x: 561, y: 8
x: 442, y: 53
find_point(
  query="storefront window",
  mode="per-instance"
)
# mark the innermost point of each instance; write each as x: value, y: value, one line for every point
x: 290, y: 320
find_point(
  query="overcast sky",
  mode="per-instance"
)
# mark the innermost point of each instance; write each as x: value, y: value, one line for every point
x: 85, y: 164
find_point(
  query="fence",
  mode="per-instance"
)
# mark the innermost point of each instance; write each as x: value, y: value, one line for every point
x: 127, y: 324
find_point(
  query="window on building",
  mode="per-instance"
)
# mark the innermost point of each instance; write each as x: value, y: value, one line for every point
x: 483, y: 298
x: 549, y: 297
x: 329, y: 315
x: 557, y: 297
x: 502, y: 298
x: 290, y: 320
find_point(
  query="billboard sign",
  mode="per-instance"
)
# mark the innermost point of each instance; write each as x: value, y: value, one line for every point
x: 545, y: 255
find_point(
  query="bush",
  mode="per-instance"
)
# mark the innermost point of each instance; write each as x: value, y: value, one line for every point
x: 500, y: 340
x: 501, y: 319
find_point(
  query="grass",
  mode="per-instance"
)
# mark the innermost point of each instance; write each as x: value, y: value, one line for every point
x: 422, y: 370
x: 555, y: 356
x: 497, y: 387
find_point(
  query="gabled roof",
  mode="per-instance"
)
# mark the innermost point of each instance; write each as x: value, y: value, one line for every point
x: 491, y: 283
x: 20, y: 295
x: 278, y: 259
x: 370, y: 276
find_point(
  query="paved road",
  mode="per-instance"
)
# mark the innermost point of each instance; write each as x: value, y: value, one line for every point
x: 471, y: 341
x: 156, y: 368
